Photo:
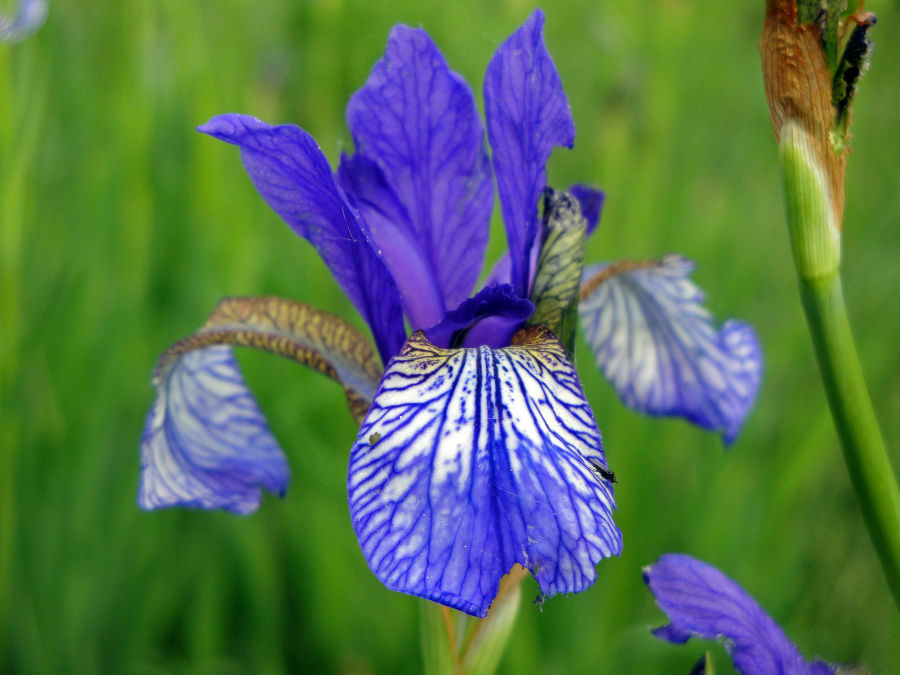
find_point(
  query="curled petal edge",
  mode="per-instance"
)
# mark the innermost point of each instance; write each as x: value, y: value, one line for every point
x: 206, y: 443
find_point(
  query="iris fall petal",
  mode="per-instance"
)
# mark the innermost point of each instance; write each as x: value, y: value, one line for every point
x: 206, y: 443
x: 702, y: 602
x: 472, y: 460
x: 658, y: 345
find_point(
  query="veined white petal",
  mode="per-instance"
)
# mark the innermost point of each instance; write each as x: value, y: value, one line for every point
x: 206, y: 443
x: 472, y: 460
x: 658, y: 345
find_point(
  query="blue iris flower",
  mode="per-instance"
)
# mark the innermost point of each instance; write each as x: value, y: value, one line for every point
x: 477, y: 449
x: 702, y: 602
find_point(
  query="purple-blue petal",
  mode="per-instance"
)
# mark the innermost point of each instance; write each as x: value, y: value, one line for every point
x: 702, y: 602
x: 659, y: 347
x: 293, y: 176
x: 527, y: 116
x: 472, y: 460
x: 205, y: 443
x: 396, y: 238
x: 417, y: 119
x: 591, y: 201
x: 492, y: 301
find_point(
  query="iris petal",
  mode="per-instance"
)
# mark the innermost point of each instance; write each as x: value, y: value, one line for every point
x: 28, y: 19
x: 659, y: 347
x: 527, y: 116
x: 206, y: 443
x: 472, y: 460
x: 702, y: 602
x: 293, y: 176
x: 395, y: 236
x: 417, y: 119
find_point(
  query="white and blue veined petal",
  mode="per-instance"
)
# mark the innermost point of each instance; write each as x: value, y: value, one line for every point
x: 657, y: 344
x: 471, y: 460
x: 206, y: 443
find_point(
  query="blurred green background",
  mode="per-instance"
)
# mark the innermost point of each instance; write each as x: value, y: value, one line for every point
x: 120, y: 228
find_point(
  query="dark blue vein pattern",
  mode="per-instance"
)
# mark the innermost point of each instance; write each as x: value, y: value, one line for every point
x: 659, y: 346
x: 702, y: 602
x: 206, y: 443
x: 472, y: 460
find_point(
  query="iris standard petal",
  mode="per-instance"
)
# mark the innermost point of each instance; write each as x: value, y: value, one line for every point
x: 206, y: 443
x: 417, y: 119
x: 591, y: 201
x: 396, y: 238
x: 527, y: 116
x: 472, y: 460
x: 702, y: 602
x: 293, y: 176
x: 27, y: 20
x: 658, y: 345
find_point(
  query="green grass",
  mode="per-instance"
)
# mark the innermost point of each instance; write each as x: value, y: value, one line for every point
x: 120, y: 227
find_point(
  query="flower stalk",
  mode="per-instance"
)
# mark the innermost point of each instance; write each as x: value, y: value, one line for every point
x: 456, y: 644
x: 809, y: 89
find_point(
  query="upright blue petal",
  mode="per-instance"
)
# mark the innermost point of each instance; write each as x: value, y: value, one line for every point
x: 395, y: 236
x: 658, y: 345
x: 702, y: 602
x: 527, y: 116
x: 472, y: 460
x: 206, y: 444
x: 417, y: 119
x: 293, y: 176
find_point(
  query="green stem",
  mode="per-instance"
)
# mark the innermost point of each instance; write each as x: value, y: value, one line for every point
x: 864, y: 451
x: 814, y: 226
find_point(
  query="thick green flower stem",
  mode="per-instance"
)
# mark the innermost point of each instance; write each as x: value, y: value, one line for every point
x: 864, y: 452
x: 815, y: 240
x: 456, y: 644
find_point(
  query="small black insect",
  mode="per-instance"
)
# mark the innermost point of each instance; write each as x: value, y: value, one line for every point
x: 374, y: 438
x: 605, y: 473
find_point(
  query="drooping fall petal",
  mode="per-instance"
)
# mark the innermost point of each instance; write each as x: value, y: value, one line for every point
x: 206, y: 443
x: 658, y: 345
x: 472, y: 460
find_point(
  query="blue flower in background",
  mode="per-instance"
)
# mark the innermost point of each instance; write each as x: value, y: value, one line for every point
x: 702, y: 602
x: 477, y: 449
x: 27, y: 20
